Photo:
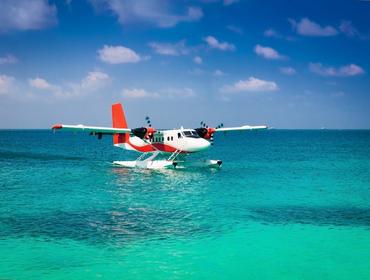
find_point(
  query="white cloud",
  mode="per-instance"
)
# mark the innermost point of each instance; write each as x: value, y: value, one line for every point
x: 6, y: 83
x: 343, y: 71
x: 26, y: 15
x: 287, y: 70
x: 118, y: 54
x: 175, y: 49
x: 337, y: 94
x: 215, y: 44
x: 348, y: 29
x: 8, y: 59
x: 267, y: 52
x: 252, y: 84
x: 93, y: 82
x: 230, y: 2
x: 157, y: 12
x: 218, y: 73
x: 179, y: 92
x: 138, y: 93
x: 194, y: 14
x: 235, y: 29
x: 198, y: 60
x: 40, y: 83
x: 196, y: 72
x: 306, y: 27
x: 169, y: 93
x: 271, y: 33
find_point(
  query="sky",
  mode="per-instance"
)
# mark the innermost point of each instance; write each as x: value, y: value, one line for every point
x: 286, y: 64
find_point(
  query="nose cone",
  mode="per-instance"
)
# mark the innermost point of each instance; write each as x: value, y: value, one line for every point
x: 192, y: 145
x: 206, y: 144
x: 201, y: 145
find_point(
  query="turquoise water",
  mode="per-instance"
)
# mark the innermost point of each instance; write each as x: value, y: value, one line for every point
x: 286, y: 204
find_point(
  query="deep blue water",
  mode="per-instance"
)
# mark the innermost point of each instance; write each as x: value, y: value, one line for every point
x: 286, y: 204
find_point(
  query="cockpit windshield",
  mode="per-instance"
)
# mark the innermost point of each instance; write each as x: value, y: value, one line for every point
x: 191, y: 133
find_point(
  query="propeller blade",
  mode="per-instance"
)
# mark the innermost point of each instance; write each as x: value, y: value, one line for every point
x: 220, y: 125
x: 148, y: 122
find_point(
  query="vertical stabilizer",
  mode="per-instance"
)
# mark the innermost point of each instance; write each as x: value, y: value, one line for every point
x: 119, y: 121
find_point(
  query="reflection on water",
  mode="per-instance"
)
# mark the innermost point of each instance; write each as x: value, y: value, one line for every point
x: 161, y: 178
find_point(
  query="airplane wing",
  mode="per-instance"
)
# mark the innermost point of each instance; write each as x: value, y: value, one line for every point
x: 92, y: 129
x: 244, y: 127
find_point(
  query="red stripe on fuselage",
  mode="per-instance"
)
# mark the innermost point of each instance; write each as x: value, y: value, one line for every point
x: 153, y: 147
x: 164, y: 148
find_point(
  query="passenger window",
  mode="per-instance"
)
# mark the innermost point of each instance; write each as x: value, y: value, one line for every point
x: 171, y: 138
x: 178, y: 135
x: 168, y: 138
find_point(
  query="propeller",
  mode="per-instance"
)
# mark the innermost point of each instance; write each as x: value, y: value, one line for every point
x: 148, y: 121
x: 220, y: 125
x: 144, y: 132
x: 206, y: 131
x: 203, y: 124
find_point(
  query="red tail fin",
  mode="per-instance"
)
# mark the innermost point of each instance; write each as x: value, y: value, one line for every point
x: 119, y: 121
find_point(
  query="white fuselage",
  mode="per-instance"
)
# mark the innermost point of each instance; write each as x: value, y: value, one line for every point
x: 181, y: 140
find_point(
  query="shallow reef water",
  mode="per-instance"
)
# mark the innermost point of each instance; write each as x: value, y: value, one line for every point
x: 286, y: 204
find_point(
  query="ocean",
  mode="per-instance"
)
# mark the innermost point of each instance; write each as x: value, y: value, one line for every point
x: 286, y: 204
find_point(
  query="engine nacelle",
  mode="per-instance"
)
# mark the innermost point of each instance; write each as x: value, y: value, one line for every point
x: 206, y: 133
x: 143, y: 132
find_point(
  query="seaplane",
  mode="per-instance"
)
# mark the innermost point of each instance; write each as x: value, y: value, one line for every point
x: 174, y: 144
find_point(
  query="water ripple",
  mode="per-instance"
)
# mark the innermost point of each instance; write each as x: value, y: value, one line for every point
x: 321, y: 216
